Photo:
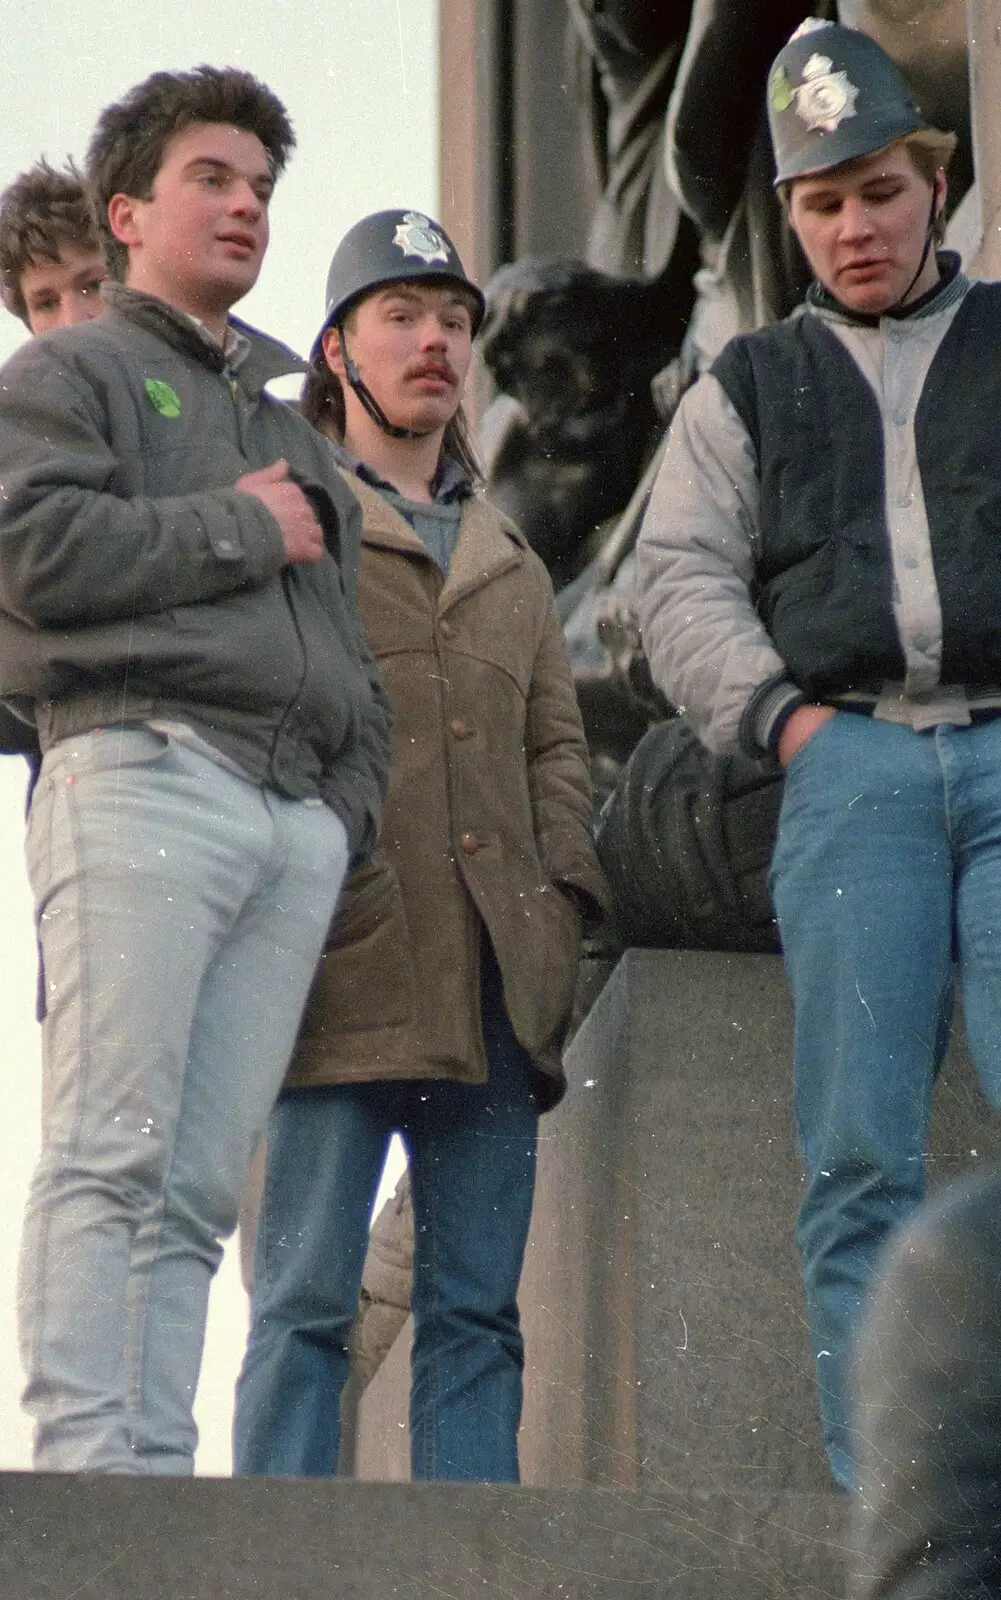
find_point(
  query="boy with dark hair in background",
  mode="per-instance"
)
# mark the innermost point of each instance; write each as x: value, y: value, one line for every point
x: 51, y: 260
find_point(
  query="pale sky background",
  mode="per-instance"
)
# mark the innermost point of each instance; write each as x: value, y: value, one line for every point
x: 359, y: 78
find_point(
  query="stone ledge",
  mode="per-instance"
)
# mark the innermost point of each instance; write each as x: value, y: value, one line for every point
x: 257, y: 1539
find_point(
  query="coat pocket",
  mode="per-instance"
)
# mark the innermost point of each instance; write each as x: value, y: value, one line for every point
x: 563, y: 949
x: 365, y: 979
x: 541, y: 974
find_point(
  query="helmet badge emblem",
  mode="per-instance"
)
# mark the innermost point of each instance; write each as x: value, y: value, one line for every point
x: 416, y: 236
x: 824, y: 99
x: 810, y: 25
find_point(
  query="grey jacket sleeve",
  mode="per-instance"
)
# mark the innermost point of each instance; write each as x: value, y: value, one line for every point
x: 72, y: 551
x: 358, y: 788
x: 709, y: 652
x: 358, y: 785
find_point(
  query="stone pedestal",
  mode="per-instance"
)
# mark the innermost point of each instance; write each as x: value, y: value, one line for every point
x: 985, y: 83
x: 95, y: 1538
x: 661, y: 1299
x: 662, y: 1302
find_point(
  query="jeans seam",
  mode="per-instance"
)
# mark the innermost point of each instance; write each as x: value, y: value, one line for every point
x: 940, y: 752
x: 430, y: 1440
x: 83, y: 1058
x: 40, y: 1276
x: 137, y: 1347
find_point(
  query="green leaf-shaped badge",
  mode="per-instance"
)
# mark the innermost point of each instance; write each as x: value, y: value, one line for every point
x: 163, y: 398
x: 780, y: 89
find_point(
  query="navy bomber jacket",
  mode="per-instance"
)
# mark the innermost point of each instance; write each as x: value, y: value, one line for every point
x: 827, y: 518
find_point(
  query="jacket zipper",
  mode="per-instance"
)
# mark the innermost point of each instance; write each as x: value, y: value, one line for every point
x: 286, y: 591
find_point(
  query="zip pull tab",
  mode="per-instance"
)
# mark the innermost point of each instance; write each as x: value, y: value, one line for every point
x: 240, y: 411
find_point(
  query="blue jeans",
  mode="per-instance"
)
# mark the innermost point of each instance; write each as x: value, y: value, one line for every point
x: 471, y: 1150
x: 181, y: 913
x: 888, y: 863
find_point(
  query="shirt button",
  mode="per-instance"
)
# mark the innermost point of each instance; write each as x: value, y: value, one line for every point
x: 445, y: 630
x: 459, y: 729
x: 469, y: 844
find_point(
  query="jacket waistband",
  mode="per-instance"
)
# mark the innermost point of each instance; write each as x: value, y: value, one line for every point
x: 962, y: 705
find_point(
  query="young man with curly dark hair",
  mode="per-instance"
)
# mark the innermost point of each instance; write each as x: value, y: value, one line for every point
x: 178, y: 558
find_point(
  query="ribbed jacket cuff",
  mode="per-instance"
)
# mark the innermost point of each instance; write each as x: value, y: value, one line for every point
x: 766, y: 714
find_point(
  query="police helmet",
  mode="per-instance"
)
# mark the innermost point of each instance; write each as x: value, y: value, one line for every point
x: 393, y: 247
x: 834, y: 95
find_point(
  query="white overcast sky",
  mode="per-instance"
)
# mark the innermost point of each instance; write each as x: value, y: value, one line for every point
x: 359, y: 78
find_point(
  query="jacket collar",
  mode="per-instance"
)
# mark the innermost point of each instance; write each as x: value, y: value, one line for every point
x: 251, y: 356
x: 951, y: 286
x: 488, y: 542
x: 452, y: 482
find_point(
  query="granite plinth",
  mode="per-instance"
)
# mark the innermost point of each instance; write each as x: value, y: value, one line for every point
x: 175, y: 1539
x: 661, y: 1299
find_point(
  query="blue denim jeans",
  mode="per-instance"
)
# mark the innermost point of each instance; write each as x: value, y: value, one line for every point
x: 471, y: 1150
x: 181, y: 914
x: 887, y: 865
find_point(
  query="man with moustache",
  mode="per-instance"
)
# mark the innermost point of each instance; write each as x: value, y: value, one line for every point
x: 443, y: 998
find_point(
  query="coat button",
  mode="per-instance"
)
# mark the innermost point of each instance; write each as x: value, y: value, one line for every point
x: 445, y: 630
x: 469, y: 844
x: 459, y: 729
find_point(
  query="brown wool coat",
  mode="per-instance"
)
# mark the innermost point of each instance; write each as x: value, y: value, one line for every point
x: 489, y: 808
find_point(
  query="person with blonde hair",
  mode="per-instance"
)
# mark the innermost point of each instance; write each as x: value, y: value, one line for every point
x: 820, y: 584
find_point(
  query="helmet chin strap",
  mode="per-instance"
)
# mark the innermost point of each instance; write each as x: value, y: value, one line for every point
x: 929, y: 239
x: 372, y: 405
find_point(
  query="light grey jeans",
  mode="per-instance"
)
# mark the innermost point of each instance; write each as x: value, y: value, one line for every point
x: 181, y: 913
